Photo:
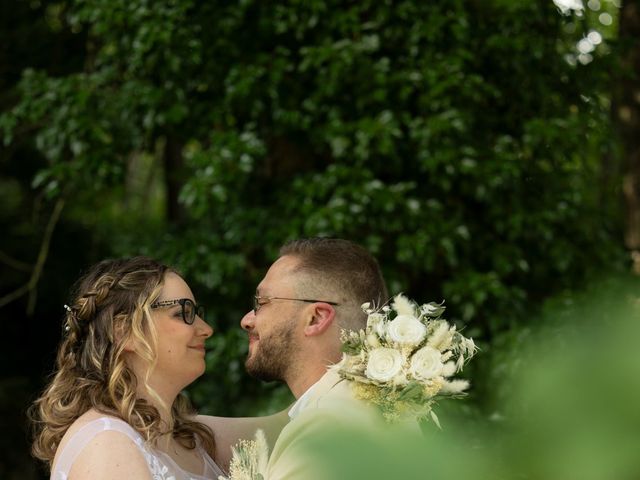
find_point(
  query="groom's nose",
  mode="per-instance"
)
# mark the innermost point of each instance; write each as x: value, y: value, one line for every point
x: 248, y: 321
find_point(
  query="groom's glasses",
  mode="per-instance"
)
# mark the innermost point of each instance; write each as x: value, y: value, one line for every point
x: 189, y: 309
x: 259, y: 301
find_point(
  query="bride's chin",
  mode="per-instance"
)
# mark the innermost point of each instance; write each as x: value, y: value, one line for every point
x: 197, y: 373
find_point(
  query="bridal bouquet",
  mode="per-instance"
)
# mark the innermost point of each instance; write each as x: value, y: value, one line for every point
x: 405, y: 358
x: 249, y: 460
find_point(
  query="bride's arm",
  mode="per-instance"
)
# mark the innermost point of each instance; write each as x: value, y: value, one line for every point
x: 228, y: 431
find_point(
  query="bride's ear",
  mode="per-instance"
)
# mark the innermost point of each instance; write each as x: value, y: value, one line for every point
x: 321, y: 317
x: 130, y: 345
x: 120, y: 334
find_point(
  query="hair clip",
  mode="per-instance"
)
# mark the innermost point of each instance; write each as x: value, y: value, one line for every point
x: 67, y: 327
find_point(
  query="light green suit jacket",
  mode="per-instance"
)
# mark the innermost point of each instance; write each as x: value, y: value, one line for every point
x: 299, y: 452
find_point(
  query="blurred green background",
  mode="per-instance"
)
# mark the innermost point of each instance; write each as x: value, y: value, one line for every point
x: 570, y: 412
x: 487, y: 152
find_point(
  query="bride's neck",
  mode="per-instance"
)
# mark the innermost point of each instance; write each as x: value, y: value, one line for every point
x: 162, y: 401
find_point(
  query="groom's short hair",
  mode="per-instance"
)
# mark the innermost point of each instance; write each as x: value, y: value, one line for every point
x: 342, y: 267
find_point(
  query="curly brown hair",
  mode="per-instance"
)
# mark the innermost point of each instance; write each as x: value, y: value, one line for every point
x: 111, y: 304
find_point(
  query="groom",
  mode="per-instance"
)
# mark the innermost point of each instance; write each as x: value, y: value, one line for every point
x: 310, y: 293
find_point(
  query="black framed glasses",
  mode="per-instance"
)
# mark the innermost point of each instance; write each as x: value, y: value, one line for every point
x: 189, y: 308
x: 259, y: 301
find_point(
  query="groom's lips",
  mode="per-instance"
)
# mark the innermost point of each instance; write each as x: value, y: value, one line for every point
x: 252, y: 339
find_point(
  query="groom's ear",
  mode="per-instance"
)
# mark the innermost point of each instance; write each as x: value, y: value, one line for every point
x: 320, y: 318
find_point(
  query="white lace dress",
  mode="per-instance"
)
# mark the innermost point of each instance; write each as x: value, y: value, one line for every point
x: 161, y: 465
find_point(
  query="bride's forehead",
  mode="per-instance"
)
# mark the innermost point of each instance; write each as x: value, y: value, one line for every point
x: 174, y: 285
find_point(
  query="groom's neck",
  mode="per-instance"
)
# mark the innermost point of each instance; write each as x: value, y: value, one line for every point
x: 306, y: 379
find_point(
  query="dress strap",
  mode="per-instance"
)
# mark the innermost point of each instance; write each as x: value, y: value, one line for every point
x: 84, y: 435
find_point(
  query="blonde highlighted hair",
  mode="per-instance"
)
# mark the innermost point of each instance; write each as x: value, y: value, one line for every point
x: 111, y: 305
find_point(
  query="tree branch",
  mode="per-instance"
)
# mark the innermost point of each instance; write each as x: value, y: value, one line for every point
x: 14, y: 295
x: 31, y: 286
x: 13, y: 263
x: 42, y: 255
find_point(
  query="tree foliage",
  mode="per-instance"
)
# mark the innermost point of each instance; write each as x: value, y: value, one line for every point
x: 451, y: 138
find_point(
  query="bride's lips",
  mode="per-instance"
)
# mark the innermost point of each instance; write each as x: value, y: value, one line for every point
x: 200, y: 347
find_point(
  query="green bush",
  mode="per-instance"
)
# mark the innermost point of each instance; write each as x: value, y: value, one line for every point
x: 451, y: 138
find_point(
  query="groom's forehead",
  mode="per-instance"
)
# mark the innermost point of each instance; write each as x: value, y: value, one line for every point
x: 281, y: 273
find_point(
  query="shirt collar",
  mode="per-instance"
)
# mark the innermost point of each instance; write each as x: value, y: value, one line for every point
x: 302, y: 402
x: 315, y: 393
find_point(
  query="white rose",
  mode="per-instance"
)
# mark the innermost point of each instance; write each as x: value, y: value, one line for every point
x: 383, y: 364
x: 406, y: 330
x: 426, y: 363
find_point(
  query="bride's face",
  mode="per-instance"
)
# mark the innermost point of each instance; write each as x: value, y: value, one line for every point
x: 180, y: 348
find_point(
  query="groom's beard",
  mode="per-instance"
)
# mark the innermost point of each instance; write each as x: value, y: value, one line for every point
x: 271, y: 357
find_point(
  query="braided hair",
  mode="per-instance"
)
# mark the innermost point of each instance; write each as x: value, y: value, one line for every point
x: 111, y: 304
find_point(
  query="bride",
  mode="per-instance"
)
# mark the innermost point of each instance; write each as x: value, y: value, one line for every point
x: 113, y: 409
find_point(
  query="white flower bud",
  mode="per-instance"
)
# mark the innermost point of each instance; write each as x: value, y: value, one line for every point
x: 428, y: 309
x: 403, y: 305
x: 470, y: 346
x: 376, y: 324
x: 400, y: 379
x: 373, y: 341
x: 455, y: 386
x: 373, y: 319
x: 449, y: 369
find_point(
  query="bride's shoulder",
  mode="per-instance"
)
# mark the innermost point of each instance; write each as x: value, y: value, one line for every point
x: 93, y: 422
x: 83, y: 420
x: 97, y: 445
